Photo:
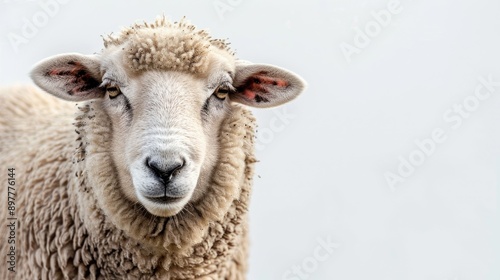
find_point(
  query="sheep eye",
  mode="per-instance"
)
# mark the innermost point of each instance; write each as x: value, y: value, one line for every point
x: 113, y: 91
x: 222, y: 92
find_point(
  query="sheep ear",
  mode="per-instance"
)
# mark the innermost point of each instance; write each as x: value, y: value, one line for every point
x: 72, y: 77
x: 263, y: 85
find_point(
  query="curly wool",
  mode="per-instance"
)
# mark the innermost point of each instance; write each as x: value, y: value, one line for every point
x: 75, y: 224
x: 164, y: 45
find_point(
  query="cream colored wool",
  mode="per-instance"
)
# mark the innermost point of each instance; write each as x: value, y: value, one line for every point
x: 74, y: 223
x: 164, y: 45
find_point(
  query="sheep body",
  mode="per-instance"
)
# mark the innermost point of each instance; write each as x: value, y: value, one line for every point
x: 92, y: 180
x: 74, y: 223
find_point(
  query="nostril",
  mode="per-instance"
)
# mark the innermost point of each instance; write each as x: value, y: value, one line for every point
x: 165, y: 170
x: 174, y: 171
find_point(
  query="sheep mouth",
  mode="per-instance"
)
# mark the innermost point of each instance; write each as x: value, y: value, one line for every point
x: 164, y: 199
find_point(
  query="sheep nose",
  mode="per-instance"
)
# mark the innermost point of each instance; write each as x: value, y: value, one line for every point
x: 165, y: 170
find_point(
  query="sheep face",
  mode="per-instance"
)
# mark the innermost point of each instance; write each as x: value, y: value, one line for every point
x: 165, y: 123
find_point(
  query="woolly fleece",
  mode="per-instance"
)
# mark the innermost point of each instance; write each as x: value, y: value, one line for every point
x: 164, y: 45
x: 73, y: 221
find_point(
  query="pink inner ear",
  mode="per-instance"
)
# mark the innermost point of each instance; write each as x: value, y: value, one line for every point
x: 71, y: 69
x: 249, y: 94
x: 257, y: 86
x: 261, y: 78
x: 77, y: 77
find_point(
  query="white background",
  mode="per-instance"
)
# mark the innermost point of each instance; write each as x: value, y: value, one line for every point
x: 324, y: 157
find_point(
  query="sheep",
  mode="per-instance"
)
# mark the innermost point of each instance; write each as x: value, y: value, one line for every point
x: 148, y: 175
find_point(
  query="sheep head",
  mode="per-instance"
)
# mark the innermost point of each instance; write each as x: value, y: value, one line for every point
x: 166, y: 88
